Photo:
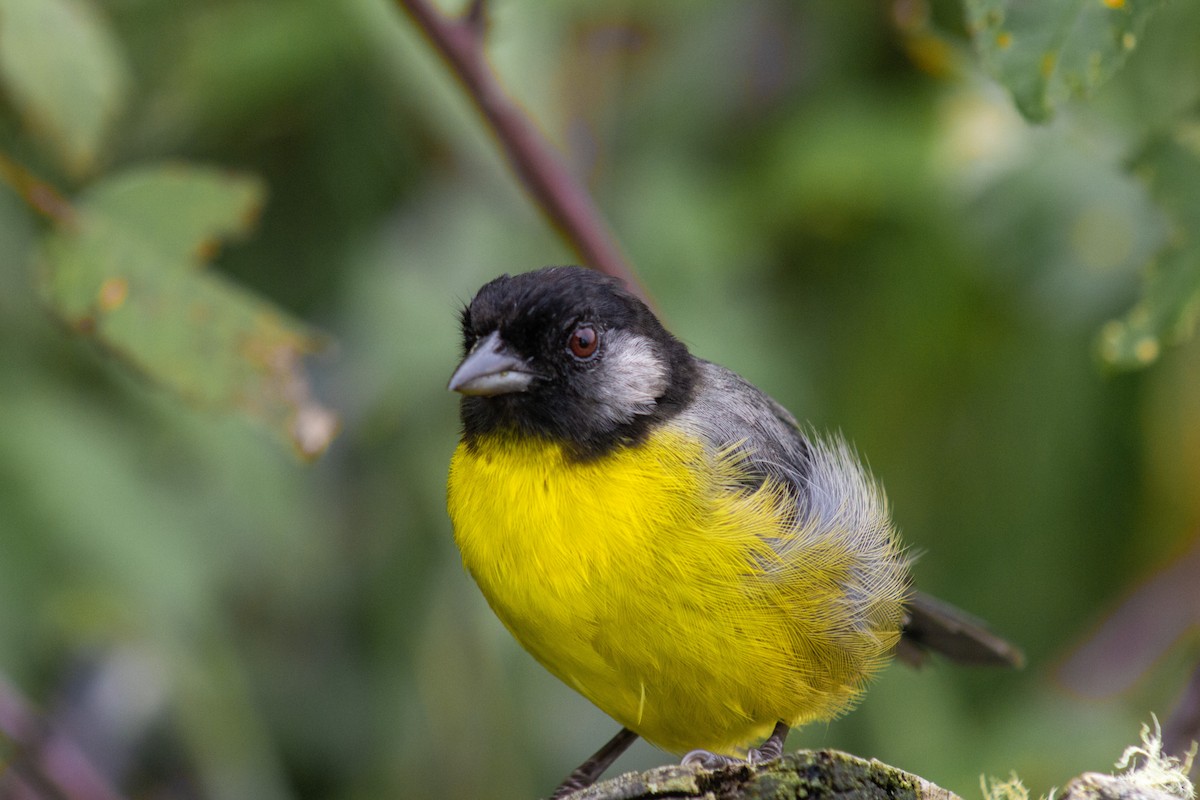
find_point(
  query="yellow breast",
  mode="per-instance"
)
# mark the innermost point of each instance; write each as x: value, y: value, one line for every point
x: 647, y: 581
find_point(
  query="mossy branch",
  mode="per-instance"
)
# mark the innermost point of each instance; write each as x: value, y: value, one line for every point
x: 1144, y: 772
x: 826, y: 774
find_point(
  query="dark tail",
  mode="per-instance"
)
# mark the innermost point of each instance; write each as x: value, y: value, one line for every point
x: 938, y: 627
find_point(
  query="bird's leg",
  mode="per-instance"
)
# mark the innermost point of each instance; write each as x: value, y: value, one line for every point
x: 769, y: 750
x: 587, y: 772
x: 772, y: 748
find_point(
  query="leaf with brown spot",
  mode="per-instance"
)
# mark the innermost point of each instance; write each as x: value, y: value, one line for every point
x: 1169, y: 305
x: 1045, y: 53
x: 128, y: 271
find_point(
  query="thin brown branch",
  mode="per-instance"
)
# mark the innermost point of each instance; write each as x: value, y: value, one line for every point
x: 1182, y: 730
x: 476, y: 17
x: 559, y: 195
x: 44, y: 759
x: 37, y: 193
x: 1135, y: 635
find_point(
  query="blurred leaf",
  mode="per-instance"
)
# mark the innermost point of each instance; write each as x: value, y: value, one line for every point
x: 239, y: 65
x: 126, y: 269
x: 1166, y: 312
x: 66, y: 74
x: 1047, y: 52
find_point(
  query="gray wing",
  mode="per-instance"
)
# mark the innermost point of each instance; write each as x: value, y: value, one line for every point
x: 728, y: 411
x: 835, y: 496
x: 832, y: 488
x: 834, y: 493
x: 838, y: 506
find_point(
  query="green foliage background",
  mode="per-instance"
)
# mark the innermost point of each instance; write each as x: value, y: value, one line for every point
x: 834, y: 199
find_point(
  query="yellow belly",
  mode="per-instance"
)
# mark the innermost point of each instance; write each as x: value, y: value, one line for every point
x: 646, y: 581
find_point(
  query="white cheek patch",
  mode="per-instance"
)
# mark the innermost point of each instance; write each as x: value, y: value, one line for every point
x: 630, y: 378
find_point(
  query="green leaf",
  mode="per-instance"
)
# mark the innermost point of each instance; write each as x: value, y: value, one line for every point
x: 126, y: 269
x: 1046, y: 51
x: 1167, y: 310
x: 65, y: 73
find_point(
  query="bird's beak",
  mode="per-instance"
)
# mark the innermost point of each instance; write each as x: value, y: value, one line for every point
x: 491, y: 369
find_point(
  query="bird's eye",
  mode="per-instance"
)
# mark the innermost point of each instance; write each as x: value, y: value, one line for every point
x: 583, y: 342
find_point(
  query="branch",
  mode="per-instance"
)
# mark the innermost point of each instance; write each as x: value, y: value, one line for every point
x: 1134, y: 638
x: 1145, y: 772
x: 43, y: 764
x: 561, y: 198
x: 827, y: 774
x: 1183, y: 728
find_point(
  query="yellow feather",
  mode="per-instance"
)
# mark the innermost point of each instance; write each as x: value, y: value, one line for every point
x: 667, y: 596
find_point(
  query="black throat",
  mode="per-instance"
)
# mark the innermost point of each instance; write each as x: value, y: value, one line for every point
x: 562, y: 418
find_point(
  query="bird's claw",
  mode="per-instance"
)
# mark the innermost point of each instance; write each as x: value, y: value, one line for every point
x: 706, y: 760
x: 769, y: 750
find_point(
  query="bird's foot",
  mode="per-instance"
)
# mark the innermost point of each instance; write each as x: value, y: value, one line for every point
x: 708, y: 760
x: 769, y: 750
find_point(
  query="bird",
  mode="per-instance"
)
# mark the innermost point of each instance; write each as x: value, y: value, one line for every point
x: 667, y: 539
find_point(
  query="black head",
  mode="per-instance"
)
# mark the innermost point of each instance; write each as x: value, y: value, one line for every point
x: 567, y: 354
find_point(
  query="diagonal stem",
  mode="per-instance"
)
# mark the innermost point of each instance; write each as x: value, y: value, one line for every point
x: 52, y: 766
x: 559, y: 195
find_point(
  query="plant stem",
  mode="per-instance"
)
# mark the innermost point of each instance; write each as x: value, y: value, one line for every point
x: 559, y: 195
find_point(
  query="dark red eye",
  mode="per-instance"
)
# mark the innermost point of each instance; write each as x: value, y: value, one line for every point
x: 583, y: 342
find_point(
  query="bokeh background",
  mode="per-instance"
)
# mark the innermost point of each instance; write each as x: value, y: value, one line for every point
x: 830, y: 198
